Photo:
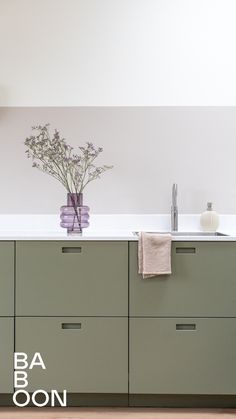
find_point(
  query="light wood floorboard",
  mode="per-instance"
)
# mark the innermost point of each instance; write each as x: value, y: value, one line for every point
x: 113, y: 413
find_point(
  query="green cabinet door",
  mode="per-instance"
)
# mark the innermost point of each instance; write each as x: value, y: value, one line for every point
x: 72, y: 278
x: 6, y: 354
x: 81, y: 355
x: 202, y: 283
x: 182, y: 356
x: 6, y: 278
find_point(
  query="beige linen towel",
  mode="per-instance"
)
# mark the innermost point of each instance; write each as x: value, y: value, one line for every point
x: 154, y: 254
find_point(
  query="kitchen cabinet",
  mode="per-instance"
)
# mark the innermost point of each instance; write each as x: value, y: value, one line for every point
x: 6, y: 354
x: 72, y: 278
x: 104, y: 331
x: 182, y: 356
x: 6, y: 278
x: 81, y: 354
x: 182, y: 331
x: 202, y: 283
x: 72, y: 307
x: 6, y: 316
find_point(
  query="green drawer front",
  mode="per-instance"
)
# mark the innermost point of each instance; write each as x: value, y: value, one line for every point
x: 202, y: 283
x: 182, y: 356
x: 6, y: 279
x: 72, y: 278
x: 81, y: 355
x: 6, y: 354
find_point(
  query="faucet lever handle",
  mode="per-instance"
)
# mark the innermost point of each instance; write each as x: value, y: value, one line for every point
x: 174, y: 194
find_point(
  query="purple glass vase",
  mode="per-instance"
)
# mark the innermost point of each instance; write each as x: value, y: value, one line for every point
x: 74, y: 215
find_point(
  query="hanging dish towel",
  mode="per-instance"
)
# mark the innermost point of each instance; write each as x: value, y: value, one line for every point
x: 154, y: 254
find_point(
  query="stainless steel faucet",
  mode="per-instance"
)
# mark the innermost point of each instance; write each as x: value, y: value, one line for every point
x: 174, y: 209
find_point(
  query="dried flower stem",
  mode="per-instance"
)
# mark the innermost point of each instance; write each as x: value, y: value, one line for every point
x: 55, y: 157
x: 52, y: 155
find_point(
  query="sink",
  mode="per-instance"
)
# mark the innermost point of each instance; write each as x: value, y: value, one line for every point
x: 185, y: 233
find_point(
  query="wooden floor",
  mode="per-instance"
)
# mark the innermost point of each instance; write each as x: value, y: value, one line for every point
x: 131, y: 413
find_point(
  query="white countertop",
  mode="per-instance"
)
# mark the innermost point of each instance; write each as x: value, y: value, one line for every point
x: 108, y: 227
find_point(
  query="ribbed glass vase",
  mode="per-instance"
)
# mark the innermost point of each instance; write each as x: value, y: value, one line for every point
x: 74, y: 216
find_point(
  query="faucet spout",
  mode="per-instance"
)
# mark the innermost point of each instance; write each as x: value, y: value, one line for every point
x: 174, y: 209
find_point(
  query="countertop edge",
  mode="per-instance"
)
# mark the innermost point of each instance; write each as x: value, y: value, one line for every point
x: 107, y: 237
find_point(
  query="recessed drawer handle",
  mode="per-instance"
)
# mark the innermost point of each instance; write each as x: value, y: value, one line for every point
x: 71, y: 249
x: 71, y: 326
x: 189, y: 326
x: 185, y: 250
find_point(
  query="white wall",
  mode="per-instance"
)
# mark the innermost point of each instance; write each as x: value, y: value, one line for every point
x: 72, y: 53
x: 117, y: 52
x: 150, y: 147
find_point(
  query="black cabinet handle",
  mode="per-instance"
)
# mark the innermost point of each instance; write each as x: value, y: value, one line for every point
x: 71, y: 249
x: 186, y: 326
x: 185, y: 250
x: 71, y: 326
